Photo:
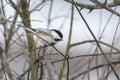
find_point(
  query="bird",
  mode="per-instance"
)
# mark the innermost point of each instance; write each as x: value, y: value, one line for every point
x: 47, y: 37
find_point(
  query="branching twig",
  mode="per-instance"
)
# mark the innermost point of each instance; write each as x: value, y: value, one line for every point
x: 106, y: 7
x: 99, y: 5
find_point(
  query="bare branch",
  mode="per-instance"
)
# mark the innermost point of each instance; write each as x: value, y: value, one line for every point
x: 98, y: 5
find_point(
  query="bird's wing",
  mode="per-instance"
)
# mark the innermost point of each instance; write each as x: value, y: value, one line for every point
x: 44, y: 31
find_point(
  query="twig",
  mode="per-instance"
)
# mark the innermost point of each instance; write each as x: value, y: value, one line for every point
x: 106, y: 7
x: 100, y: 6
x: 93, y: 68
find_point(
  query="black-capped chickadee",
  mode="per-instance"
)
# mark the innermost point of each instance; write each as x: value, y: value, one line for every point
x: 47, y: 36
